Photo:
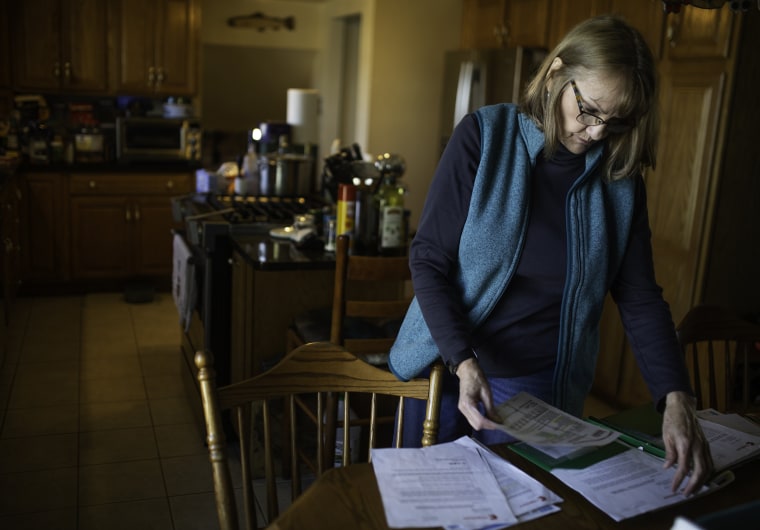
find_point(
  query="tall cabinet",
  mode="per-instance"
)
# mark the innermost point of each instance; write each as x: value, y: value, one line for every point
x: 704, y: 195
x: 691, y: 192
x: 5, y: 45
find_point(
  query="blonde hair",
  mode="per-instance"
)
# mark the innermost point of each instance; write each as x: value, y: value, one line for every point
x: 604, y: 45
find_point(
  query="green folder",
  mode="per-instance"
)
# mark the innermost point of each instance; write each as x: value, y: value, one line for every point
x: 639, y: 428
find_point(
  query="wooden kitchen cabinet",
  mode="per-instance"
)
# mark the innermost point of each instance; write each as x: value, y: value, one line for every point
x: 157, y: 46
x: 678, y: 195
x: 543, y: 23
x: 700, y: 33
x: 567, y: 13
x: 501, y: 23
x: 44, y: 228
x: 10, y: 241
x: 702, y: 196
x: 121, y: 224
x: 645, y: 15
x: 5, y: 45
x: 60, y: 45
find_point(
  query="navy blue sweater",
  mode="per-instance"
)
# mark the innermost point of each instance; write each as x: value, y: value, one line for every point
x: 520, y: 336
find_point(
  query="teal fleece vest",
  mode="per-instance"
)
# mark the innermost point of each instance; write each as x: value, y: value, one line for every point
x: 599, y: 216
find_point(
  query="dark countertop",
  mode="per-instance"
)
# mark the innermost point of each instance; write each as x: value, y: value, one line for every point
x: 266, y: 253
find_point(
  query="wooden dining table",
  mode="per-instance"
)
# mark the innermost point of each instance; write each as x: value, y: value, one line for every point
x: 348, y: 498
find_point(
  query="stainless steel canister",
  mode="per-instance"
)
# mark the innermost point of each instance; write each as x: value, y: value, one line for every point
x: 285, y: 175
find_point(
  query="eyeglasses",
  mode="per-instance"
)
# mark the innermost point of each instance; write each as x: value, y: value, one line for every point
x: 614, y: 125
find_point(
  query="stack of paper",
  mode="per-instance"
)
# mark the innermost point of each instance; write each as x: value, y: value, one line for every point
x: 625, y: 478
x: 733, y: 439
x: 459, y: 486
x: 616, y: 464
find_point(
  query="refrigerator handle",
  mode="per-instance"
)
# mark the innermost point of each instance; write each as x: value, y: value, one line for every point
x: 470, y: 90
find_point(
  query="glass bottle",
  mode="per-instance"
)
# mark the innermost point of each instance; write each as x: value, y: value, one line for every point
x: 390, y: 207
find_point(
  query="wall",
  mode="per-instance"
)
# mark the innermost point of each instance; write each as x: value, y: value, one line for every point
x: 407, y: 85
x: 399, y: 80
x: 394, y: 78
x: 245, y: 73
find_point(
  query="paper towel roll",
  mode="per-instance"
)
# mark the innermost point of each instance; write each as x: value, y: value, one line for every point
x: 303, y: 113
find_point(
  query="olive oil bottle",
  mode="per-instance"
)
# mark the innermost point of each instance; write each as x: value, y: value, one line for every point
x: 392, y: 237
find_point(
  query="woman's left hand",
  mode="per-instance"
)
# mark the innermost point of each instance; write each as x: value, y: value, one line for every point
x: 685, y: 444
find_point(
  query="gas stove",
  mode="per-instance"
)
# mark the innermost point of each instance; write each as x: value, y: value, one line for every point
x: 239, y: 215
x: 246, y: 209
x: 211, y: 221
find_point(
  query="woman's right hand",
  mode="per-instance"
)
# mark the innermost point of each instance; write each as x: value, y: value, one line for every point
x: 473, y: 390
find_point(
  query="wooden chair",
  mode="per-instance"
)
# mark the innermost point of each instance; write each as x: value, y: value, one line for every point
x: 370, y: 298
x: 721, y: 350
x: 314, y: 368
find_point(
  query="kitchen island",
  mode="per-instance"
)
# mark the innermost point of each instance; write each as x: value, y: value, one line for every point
x: 272, y: 282
x: 250, y: 288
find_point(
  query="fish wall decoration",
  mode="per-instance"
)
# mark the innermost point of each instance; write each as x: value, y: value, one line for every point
x: 261, y: 22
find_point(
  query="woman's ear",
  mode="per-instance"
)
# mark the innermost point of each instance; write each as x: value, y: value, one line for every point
x: 556, y: 65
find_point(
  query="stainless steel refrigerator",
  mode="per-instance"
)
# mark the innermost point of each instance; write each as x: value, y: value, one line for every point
x: 473, y: 78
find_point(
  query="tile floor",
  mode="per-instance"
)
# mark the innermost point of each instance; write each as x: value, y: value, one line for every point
x: 95, y: 432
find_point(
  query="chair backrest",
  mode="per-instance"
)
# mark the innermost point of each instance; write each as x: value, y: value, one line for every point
x: 373, y: 289
x: 314, y: 368
x: 720, y: 349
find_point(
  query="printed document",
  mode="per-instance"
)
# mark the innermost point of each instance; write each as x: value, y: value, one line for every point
x: 527, y: 497
x: 459, y: 485
x: 630, y: 483
x: 439, y: 485
x: 728, y: 445
x: 539, y: 424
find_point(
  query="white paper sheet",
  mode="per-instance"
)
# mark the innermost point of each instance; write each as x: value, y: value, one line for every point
x: 527, y: 497
x: 732, y: 420
x: 537, y: 423
x: 728, y: 446
x: 441, y: 485
x: 629, y: 484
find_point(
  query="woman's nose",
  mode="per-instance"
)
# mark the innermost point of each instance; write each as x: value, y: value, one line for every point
x: 596, y: 132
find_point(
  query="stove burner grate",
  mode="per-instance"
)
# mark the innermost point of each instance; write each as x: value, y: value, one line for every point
x: 263, y: 209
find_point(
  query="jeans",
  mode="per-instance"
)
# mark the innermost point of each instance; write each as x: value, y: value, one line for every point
x: 453, y: 425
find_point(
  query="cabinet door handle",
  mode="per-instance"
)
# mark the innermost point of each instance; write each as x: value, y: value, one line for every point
x: 56, y: 69
x: 127, y: 214
x: 137, y: 212
x: 67, y: 71
x: 159, y: 77
x: 501, y: 33
x: 151, y: 76
x: 170, y: 185
x: 92, y: 184
x: 674, y: 30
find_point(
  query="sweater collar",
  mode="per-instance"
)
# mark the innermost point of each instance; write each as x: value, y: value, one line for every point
x: 535, y: 140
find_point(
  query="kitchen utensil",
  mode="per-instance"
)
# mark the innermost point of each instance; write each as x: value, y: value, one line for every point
x: 286, y: 175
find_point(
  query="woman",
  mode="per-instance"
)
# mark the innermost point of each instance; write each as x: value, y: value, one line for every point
x: 534, y: 214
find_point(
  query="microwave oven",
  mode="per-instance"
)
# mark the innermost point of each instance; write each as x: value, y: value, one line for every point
x: 149, y: 139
